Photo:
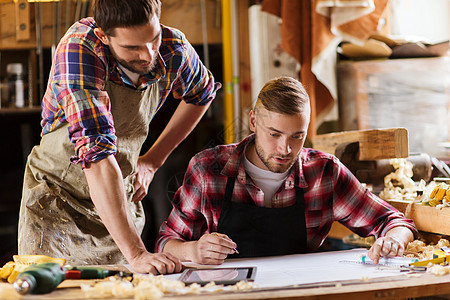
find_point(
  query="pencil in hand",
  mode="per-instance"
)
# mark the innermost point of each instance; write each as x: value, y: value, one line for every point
x: 234, y: 249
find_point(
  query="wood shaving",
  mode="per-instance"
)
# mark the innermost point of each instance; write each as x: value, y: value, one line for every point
x: 422, y: 251
x: 399, y: 185
x: 438, y: 270
x: 365, y: 278
x: 145, y: 287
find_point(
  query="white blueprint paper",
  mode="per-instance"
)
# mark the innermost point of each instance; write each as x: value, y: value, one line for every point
x: 310, y: 268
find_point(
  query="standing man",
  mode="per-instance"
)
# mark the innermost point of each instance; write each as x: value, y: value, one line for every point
x: 268, y: 195
x: 83, y: 184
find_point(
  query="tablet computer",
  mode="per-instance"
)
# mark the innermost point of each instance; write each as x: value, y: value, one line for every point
x: 226, y: 276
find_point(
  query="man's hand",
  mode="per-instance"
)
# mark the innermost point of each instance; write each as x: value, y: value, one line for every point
x: 144, y: 176
x: 212, y: 249
x: 393, y: 244
x: 155, y: 263
x: 385, y: 246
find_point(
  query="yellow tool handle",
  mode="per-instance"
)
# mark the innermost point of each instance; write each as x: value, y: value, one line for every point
x: 424, y: 263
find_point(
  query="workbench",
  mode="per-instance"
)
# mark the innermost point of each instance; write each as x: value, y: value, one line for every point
x: 379, y: 284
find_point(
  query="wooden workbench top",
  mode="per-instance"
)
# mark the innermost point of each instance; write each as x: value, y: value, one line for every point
x: 320, y: 275
x: 397, y: 287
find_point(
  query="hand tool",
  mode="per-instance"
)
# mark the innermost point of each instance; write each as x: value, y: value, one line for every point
x: 441, y: 256
x: 44, y: 278
x: 402, y: 264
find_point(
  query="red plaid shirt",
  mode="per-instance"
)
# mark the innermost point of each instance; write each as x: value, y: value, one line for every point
x: 331, y: 192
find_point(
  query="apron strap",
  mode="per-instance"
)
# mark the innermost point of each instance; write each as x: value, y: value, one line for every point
x: 300, y: 199
x: 229, y: 189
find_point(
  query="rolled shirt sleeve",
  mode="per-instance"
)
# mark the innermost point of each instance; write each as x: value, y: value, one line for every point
x: 75, y: 95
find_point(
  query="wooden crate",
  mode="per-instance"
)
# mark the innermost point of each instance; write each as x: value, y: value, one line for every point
x: 427, y: 218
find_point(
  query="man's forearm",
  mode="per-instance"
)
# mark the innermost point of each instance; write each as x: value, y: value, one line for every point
x: 402, y: 234
x: 107, y: 193
x: 183, y: 121
x: 180, y: 249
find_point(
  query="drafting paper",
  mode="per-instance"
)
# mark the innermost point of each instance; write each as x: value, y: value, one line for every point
x: 278, y: 271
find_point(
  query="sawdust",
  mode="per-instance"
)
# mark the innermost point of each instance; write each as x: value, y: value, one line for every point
x: 144, y: 287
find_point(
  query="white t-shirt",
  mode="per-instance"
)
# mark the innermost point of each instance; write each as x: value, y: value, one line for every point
x: 268, y: 181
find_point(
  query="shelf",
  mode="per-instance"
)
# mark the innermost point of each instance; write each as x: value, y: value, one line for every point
x: 20, y: 111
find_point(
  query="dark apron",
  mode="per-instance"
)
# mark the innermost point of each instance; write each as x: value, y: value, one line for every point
x: 261, y: 231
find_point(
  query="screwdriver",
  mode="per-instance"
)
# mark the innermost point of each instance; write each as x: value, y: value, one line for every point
x: 44, y: 278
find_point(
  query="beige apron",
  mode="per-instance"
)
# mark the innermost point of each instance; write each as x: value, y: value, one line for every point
x: 57, y: 217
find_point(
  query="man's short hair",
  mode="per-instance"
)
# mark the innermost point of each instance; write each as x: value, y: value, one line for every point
x: 284, y: 95
x: 111, y: 14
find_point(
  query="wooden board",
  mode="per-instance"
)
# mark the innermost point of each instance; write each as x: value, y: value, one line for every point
x: 373, y: 143
x: 22, y: 9
x: 426, y: 218
x: 384, y: 288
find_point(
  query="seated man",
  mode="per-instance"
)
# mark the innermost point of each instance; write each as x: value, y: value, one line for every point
x: 268, y: 195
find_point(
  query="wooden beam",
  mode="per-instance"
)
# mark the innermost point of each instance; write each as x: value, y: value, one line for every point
x: 22, y: 12
x: 373, y: 143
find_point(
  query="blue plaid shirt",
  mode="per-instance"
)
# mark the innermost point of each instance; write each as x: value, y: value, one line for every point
x: 81, y: 67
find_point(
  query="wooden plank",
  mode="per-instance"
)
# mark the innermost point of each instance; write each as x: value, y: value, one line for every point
x: 373, y: 143
x: 22, y: 9
x: 426, y: 218
x: 8, y: 37
x: 12, y: 38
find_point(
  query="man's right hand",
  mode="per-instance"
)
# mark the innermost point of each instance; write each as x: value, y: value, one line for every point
x: 212, y: 249
x: 156, y: 263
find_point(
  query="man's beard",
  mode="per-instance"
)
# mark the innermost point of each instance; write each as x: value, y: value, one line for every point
x: 273, y: 167
x: 131, y: 66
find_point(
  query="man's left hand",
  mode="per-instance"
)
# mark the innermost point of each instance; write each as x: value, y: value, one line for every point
x: 144, y: 176
x: 385, y: 246
x: 393, y: 244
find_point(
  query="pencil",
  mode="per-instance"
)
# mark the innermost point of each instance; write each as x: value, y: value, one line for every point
x: 234, y: 249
